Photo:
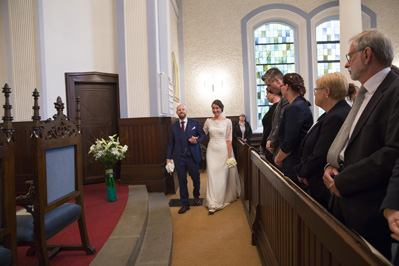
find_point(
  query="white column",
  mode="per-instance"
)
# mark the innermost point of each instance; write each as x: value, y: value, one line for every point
x: 133, y: 58
x: 350, y: 15
x: 22, y: 72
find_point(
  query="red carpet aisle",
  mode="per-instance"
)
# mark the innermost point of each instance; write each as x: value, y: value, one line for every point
x: 101, y: 219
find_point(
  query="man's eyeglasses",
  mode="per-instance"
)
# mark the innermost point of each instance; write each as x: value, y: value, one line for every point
x: 349, y: 55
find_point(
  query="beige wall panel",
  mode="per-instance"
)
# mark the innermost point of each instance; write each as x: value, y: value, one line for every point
x: 23, y: 57
x: 174, y: 40
x: 137, y: 58
x: 387, y: 19
x: 3, y: 56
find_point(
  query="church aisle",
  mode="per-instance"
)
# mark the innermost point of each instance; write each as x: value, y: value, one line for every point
x: 220, y: 239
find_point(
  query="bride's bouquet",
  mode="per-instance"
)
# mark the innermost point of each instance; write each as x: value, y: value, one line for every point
x: 231, y: 162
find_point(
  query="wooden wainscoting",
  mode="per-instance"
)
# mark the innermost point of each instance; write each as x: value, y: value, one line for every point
x: 148, y: 140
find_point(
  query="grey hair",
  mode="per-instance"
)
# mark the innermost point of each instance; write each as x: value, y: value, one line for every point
x: 272, y: 73
x: 380, y: 44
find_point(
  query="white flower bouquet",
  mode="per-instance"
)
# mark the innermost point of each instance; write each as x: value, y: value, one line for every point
x: 231, y: 162
x: 108, y: 152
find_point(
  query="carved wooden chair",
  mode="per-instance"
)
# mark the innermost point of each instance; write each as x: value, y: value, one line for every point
x: 8, y: 232
x: 55, y: 198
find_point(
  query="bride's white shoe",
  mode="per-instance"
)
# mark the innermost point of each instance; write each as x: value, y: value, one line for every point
x: 211, y: 211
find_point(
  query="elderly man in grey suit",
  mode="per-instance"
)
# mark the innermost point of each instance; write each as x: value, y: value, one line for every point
x: 362, y: 156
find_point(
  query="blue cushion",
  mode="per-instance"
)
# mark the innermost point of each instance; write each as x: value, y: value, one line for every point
x: 5, y: 256
x: 60, y: 172
x: 54, y: 221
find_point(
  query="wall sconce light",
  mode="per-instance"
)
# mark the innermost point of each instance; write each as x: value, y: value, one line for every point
x: 212, y: 85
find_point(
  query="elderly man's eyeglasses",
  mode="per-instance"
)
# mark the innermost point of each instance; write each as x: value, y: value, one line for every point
x: 349, y: 55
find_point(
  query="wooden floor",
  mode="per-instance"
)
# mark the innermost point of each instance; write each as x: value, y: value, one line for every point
x: 220, y: 239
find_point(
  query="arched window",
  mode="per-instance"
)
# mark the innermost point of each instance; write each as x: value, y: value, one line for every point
x: 274, y: 47
x: 328, y: 49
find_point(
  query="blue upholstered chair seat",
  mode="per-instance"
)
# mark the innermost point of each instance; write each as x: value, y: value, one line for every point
x: 54, y: 221
x: 5, y: 256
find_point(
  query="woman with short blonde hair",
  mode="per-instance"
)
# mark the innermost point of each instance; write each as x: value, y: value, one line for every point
x: 330, y: 93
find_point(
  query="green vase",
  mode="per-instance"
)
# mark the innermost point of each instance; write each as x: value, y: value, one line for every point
x: 110, y: 184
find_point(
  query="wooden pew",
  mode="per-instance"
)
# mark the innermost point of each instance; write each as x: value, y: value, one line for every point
x: 243, y: 150
x: 290, y: 228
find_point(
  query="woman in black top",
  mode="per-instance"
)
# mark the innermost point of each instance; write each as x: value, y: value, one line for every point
x: 330, y: 92
x: 267, y: 123
x: 295, y: 123
x: 242, y: 129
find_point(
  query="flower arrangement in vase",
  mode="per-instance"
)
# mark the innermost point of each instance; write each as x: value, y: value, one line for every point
x: 108, y: 153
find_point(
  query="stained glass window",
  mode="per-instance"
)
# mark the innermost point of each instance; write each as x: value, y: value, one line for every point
x: 274, y: 47
x: 328, y: 49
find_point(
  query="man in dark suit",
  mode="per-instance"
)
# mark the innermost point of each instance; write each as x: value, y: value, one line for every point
x: 390, y: 205
x: 273, y: 79
x: 267, y: 122
x: 358, y: 174
x: 185, y: 136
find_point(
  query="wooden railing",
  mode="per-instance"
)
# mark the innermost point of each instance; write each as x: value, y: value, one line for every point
x: 242, y: 165
x: 288, y: 226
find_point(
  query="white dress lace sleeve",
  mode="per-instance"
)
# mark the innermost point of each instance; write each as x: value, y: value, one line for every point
x: 229, y: 135
x: 223, y: 183
x: 206, y: 126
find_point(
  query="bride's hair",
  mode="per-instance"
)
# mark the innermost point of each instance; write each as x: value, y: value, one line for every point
x: 218, y: 103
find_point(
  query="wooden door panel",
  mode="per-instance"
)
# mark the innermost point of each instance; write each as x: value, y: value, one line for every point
x: 99, y: 114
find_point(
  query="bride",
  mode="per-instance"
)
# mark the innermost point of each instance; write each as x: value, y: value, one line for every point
x: 223, y: 183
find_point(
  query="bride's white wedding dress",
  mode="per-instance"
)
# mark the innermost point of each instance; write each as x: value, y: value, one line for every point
x: 223, y: 183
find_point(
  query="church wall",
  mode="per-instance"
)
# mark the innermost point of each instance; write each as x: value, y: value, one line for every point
x: 81, y: 36
x: 174, y: 40
x: 78, y: 36
x: 212, y: 43
x: 387, y: 20
x: 3, y: 53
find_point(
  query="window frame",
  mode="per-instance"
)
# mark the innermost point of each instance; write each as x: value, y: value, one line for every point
x: 259, y: 119
x: 295, y: 20
x: 317, y: 111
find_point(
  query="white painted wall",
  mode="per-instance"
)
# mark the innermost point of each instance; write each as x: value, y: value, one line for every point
x: 78, y: 36
x: 3, y: 54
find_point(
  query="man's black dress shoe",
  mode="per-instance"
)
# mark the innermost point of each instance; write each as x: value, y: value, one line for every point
x: 184, y: 209
x: 197, y: 201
